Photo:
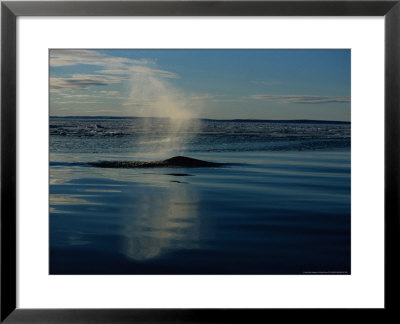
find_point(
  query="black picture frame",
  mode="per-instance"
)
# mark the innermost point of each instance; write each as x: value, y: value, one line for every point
x: 10, y: 10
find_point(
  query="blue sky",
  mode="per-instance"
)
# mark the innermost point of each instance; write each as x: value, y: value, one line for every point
x: 220, y: 84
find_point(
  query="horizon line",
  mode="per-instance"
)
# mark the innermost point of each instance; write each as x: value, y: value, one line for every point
x: 211, y: 119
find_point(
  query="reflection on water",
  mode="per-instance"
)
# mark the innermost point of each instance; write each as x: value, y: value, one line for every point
x: 269, y: 213
x: 56, y: 199
x: 145, y: 222
x: 161, y: 224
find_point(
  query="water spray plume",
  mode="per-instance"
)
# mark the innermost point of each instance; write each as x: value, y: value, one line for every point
x: 154, y: 97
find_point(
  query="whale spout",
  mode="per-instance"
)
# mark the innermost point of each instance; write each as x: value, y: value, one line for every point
x: 174, y: 162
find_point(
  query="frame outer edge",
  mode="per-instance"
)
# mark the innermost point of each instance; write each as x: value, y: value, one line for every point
x: 8, y: 162
x: 8, y: 158
x: 392, y: 155
x: 203, y: 8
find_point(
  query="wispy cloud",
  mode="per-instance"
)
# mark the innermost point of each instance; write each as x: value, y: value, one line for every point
x: 69, y: 95
x: 216, y: 97
x: 228, y: 100
x: 267, y: 83
x: 301, y: 99
x: 112, y: 70
x: 136, y: 104
x: 140, y: 70
x: 98, y: 95
x: 66, y: 57
x: 108, y: 64
x: 83, y: 81
x: 109, y: 92
x: 204, y: 96
x: 78, y: 102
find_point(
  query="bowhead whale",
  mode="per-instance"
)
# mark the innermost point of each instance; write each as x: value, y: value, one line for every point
x: 174, y: 162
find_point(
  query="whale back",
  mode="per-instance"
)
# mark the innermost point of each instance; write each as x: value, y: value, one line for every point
x: 174, y: 162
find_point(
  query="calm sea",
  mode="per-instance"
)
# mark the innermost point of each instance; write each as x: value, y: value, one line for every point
x: 281, y: 204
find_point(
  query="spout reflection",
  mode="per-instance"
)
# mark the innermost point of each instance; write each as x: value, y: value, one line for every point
x: 161, y: 223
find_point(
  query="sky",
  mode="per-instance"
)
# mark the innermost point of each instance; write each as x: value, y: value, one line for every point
x: 217, y: 84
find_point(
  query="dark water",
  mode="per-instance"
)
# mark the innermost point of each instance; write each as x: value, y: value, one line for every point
x: 280, y: 206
